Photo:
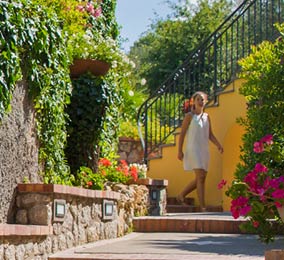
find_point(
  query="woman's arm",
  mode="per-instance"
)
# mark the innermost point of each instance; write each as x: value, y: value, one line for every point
x: 213, y: 139
x: 184, y: 126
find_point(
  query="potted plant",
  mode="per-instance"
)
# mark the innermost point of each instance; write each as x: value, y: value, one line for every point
x: 90, y: 39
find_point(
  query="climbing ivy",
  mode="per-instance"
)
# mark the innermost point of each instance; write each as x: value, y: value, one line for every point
x: 33, y: 50
x: 35, y: 47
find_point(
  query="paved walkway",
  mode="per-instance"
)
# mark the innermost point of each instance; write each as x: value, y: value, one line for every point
x: 174, y: 246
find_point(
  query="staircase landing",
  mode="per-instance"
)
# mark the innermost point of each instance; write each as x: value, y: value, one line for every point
x: 207, y: 222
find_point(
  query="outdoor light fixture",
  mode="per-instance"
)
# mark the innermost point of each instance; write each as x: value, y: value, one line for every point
x: 108, y: 209
x: 59, y: 209
x: 154, y: 194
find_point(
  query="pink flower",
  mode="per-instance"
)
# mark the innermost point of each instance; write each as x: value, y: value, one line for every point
x: 278, y: 194
x: 268, y: 139
x: 90, y: 8
x: 80, y: 8
x: 97, y: 12
x: 274, y: 183
x: 251, y: 180
x: 258, y: 147
x: 240, y: 207
x: 222, y: 184
x: 260, y: 168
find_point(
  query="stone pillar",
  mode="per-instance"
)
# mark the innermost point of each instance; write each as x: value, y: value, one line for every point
x: 157, y: 195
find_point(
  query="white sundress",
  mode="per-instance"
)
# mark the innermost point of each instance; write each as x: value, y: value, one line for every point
x: 196, y: 155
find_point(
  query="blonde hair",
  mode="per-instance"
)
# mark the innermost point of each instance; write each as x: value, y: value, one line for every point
x: 200, y: 93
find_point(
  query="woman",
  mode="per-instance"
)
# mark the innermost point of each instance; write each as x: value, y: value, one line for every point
x: 197, y: 130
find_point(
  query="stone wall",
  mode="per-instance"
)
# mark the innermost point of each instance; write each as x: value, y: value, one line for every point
x: 85, y: 220
x: 130, y: 150
x: 18, y: 148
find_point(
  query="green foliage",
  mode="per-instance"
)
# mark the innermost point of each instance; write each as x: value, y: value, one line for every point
x: 33, y: 48
x: 86, y: 178
x: 129, y: 129
x: 263, y: 89
x: 109, y: 170
x: 133, y: 96
x: 263, y: 71
x: 169, y: 41
x: 90, y: 96
x: 39, y: 40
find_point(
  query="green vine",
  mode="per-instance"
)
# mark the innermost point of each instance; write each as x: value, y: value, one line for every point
x: 33, y: 49
x: 37, y: 46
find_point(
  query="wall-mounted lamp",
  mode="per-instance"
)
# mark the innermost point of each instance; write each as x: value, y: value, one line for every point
x: 108, y: 209
x: 155, y: 194
x: 59, y: 210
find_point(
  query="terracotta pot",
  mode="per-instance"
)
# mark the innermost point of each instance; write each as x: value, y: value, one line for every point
x: 281, y: 212
x: 82, y: 66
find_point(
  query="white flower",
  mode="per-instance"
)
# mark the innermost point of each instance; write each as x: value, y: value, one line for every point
x: 130, y: 93
x: 133, y: 65
x: 114, y: 64
x: 143, y: 81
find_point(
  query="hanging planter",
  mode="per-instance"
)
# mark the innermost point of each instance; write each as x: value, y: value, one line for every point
x: 82, y: 66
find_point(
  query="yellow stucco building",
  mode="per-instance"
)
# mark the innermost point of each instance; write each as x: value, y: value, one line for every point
x: 231, y: 105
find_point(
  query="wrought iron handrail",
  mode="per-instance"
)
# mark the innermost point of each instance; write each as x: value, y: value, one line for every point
x: 209, y: 68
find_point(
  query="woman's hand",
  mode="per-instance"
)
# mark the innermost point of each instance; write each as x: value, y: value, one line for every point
x: 220, y: 148
x: 180, y: 155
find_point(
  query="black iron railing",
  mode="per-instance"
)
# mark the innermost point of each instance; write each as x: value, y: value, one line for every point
x: 210, y: 68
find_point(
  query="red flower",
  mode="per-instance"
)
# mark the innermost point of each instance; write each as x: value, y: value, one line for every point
x: 105, y: 162
x: 134, y: 173
x: 255, y: 224
x: 89, y: 183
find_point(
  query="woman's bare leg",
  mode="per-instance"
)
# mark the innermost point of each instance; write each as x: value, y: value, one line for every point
x: 200, y: 186
x: 188, y: 189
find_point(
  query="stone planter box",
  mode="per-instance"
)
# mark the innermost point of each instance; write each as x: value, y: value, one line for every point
x: 51, y: 218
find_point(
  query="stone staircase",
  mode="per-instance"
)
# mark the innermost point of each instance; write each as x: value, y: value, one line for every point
x: 188, y: 218
x: 173, y: 206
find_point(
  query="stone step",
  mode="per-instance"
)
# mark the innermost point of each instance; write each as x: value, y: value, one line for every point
x: 191, y: 208
x: 173, y: 201
x: 207, y: 222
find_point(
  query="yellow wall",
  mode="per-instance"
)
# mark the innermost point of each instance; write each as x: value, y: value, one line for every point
x: 223, y: 118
